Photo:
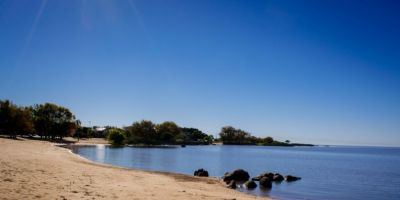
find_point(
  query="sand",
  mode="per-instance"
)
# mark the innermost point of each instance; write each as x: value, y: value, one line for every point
x: 31, y: 169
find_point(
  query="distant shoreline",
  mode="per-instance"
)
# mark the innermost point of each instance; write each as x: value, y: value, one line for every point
x: 274, y: 145
x: 104, y: 141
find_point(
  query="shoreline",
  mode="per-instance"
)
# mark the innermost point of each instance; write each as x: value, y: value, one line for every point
x: 34, y: 169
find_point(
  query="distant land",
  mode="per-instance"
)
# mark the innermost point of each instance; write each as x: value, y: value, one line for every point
x: 51, y: 121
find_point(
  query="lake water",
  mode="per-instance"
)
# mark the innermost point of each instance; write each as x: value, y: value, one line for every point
x: 327, y: 172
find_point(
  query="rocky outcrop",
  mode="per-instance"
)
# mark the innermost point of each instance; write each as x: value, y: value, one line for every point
x: 290, y: 178
x: 231, y: 185
x: 250, y: 184
x: 278, y: 178
x: 266, y: 182
x: 201, y: 172
x: 237, y: 175
x: 266, y: 179
x: 265, y: 174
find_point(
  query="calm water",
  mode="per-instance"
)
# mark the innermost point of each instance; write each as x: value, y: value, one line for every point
x: 327, y: 172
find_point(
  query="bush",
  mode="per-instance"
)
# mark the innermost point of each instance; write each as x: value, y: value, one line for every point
x: 116, y: 137
x: 142, y: 132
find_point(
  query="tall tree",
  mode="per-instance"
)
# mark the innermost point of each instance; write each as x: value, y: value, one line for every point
x: 116, y: 136
x: 142, y: 132
x: 15, y: 120
x: 230, y: 135
x: 168, y: 131
x: 195, y: 135
x: 51, y: 121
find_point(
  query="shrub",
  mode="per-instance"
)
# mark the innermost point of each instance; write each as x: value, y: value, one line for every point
x: 116, y: 137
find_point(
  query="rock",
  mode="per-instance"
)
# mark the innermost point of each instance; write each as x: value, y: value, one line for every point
x: 250, y: 184
x: 278, y: 178
x: 201, y: 172
x: 265, y: 174
x: 237, y: 175
x: 227, y: 178
x: 232, y: 185
x: 269, y: 175
x: 290, y: 178
x: 266, y: 182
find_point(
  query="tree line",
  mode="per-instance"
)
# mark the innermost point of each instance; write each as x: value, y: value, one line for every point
x: 232, y: 136
x: 148, y: 133
x: 51, y: 121
x: 47, y: 120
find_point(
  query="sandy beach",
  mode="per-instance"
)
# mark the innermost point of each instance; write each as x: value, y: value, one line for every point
x: 33, y: 169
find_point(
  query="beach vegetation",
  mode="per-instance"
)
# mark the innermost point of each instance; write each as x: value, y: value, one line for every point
x: 84, y: 132
x: 196, y: 136
x: 15, y: 120
x: 149, y: 133
x: 232, y: 136
x: 143, y: 132
x: 168, y: 132
x: 116, y: 136
x: 48, y: 120
x: 52, y: 121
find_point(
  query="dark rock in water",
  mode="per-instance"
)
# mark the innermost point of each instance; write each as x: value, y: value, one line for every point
x: 266, y: 182
x: 237, y: 175
x: 290, y: 178
x: 265, y: 174
x: 183, y: 145
x: 278, y: 178
x: 232, y: 185
x: 269, y: 175
x: 250, y: 184
x: 201, y: 172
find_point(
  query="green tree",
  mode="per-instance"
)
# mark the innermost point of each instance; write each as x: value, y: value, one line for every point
x: 24, y: 121
x: 53, y: 121
x: 15, y: 120
x: 209, y: 139
x: 230, y: 135
x: 116, y: 136
x: 84, y: 132
x: 268, y: 140
x: 194, y: 135
x: 168, y: 132
x: 143, y: 132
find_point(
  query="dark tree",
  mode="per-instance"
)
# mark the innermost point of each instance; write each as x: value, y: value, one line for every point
x: 116, y: 136
x: 194, y: 135
x: 268, y: 140
x: 15, y: 120
x: 84, y: 132
x: 143, y: 132
x: 230, y: 135
x: 168, y: 132
x: 53, y: 121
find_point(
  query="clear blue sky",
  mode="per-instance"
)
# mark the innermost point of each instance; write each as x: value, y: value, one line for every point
x: 325, y: 72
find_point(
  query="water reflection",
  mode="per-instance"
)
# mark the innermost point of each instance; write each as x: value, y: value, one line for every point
x: 100, y: 152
